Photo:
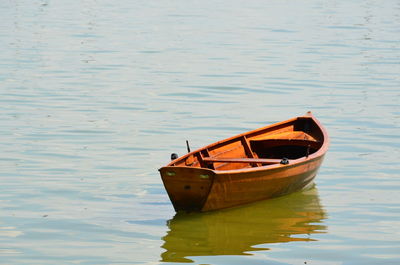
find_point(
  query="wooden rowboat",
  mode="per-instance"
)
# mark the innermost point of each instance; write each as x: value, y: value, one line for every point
x: 268, y: 162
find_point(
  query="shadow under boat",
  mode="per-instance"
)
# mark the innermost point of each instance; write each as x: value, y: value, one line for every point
x: 239, y: 230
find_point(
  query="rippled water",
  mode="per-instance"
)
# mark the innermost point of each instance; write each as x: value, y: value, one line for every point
x: 95, y: 95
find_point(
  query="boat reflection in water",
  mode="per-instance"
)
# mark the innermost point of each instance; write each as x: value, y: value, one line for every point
x: 237, y: 231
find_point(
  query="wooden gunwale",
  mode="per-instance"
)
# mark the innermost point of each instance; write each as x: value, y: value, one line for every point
x: 321, y: 151
x: 292, y: 163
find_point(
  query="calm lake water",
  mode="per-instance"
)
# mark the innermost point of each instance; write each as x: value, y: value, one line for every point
x: 96, y: 94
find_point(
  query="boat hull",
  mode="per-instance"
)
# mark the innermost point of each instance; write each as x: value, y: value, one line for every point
x: 193, y: 189
x: 232, y: 189
x: 265, y: 163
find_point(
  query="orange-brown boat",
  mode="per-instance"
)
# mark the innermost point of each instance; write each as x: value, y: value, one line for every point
x: 268, y: 162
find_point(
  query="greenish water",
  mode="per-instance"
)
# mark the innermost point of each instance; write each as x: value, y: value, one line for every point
x: 95, y: 95
x: 244, y: 229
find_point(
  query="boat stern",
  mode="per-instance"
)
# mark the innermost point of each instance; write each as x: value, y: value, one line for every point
x: 187, y: 187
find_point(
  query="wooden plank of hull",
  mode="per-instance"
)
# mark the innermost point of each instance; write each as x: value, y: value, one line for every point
x: 230, y: 190
x: 196, y: 189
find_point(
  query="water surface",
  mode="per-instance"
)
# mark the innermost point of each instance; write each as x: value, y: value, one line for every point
x: 94, y: 96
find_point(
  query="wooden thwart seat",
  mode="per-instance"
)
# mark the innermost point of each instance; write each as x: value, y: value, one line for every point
x: 242, y: 160
x: 294, y: 142
x: 291, y: 135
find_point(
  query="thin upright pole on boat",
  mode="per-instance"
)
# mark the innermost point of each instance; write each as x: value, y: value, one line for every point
x: 187, y: 146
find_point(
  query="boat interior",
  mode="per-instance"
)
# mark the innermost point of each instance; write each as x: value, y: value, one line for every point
x: 281, y: 143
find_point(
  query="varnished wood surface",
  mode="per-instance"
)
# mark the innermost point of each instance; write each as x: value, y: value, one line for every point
x: 247, y: 167
x: 243, y: 160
